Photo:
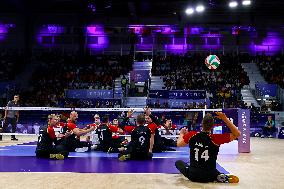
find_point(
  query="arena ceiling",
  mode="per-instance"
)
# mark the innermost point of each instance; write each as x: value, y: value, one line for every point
x: 137, y: 9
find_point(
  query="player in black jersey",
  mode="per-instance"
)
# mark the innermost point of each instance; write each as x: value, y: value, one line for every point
x: 104, y: 132
x: 104, y: 135
x: 141, y: 144
x: 154, y: 124
x: 204, y: 148
x: 47, y: 145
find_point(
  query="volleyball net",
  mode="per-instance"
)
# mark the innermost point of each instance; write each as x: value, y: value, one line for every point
x: 32, y: 118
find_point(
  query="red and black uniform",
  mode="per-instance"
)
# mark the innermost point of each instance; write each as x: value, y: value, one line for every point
x: 139, y: 146
x: 61, y: 124
x: 204, y: 148
x: 48, y: 144
x: 159, y: 145
x: 126, y: 126
x: 72, y: 142
x: 116, y: 138
x: 114, y: 129
x: 104, y: 133
x: 169, y: 142
x: 92, y: 125
x: 129, y: 128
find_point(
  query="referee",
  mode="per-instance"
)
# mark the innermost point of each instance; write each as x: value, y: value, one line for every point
x: 11, y: 117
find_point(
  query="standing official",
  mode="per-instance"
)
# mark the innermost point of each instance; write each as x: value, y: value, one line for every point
x: 11, y: 117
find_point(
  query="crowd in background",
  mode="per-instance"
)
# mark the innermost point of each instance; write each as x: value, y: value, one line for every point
x: 53, y: 72
x: 188, y: 72
x: 57, y: 72
x: 272, y: 68
x: 11, y: 64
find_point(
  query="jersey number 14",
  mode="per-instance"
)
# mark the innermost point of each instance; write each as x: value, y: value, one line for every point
x: 204, y: 154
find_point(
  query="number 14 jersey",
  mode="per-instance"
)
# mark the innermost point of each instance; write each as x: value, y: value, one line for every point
x: 204, y: 148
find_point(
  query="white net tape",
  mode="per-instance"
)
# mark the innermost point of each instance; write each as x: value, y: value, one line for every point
x: 105, y: 109
x: 100, y: 110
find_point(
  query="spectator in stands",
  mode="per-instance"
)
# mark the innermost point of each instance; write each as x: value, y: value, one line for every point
x: 132, y: 88
x: 269, y: 129
x: 124, y: 83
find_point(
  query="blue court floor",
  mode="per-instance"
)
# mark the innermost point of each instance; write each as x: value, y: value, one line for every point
x: 21, y: 158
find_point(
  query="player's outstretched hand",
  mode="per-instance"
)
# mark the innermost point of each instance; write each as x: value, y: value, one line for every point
x: 183, y: 131
x: 129, y: 113
x: 147, y: 110
x: 220, y: 115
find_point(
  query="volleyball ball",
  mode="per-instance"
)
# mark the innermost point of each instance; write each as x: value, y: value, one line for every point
x: 212, y: 62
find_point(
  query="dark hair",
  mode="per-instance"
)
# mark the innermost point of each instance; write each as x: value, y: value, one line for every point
x: 105, y: 119
x: 207, y: 122
x: 140, y: 119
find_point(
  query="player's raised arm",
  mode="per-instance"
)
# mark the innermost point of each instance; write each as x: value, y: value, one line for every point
x: 235, y: 132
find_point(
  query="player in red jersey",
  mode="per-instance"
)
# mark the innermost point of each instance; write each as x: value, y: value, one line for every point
x: 47, y: 145
x: 73, y: 142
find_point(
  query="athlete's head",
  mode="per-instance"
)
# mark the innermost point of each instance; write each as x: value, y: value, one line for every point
x: 97, y: 119
x: 115, y: 122
x: 207, y: 123
x: 53, y: 119
x: 73, y: 116
x: 168, y: 124
x: 148, y: 119
x: 16, y: 98
x: 105, y: 119
x: 140, y: 120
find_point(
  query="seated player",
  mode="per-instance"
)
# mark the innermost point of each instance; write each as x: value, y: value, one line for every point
x: 73, y: 142
x: 141, y: 144
x: 169, y: 129
x: 47, y: 145
x: 126, y: 125
x: 153, y: 124
x: 269, y: 129
x: 63, y: 119
x: 116, y: 131
x: 93, y: 137
x: 104, y: 132
x: 204, y: 148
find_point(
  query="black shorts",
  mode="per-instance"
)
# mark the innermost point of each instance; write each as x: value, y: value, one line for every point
x: 197, y: 174
x: 200, y: 175
x: 45, y: 152
x: 73, y: 143
x: 136, y: 154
